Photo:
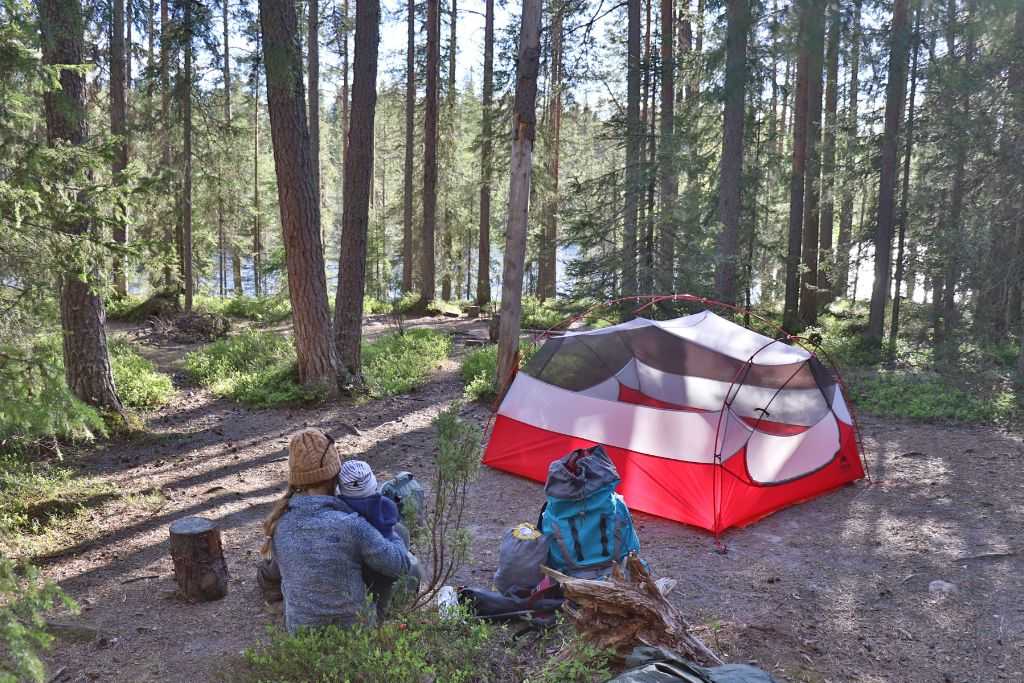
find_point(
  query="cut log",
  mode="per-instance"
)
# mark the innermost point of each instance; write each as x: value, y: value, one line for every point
x: 199, y: 566
x: 626, y: 611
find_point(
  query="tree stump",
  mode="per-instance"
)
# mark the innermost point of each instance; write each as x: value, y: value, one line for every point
x: 493, y: 327
x: 199, y: 566
x: 472, y: 312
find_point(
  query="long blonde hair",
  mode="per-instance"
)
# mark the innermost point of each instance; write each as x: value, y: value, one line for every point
x: 270, y: 523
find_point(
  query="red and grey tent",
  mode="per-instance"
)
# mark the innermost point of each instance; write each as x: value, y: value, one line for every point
x: 708, y: 422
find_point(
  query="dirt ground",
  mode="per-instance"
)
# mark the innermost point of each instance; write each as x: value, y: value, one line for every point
x: 836, y: 589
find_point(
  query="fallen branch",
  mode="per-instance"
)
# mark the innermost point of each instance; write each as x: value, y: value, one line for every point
x: 621, y: 613
x: 144, y: 577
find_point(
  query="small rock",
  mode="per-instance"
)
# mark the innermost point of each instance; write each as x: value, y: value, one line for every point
x: 942, y: 588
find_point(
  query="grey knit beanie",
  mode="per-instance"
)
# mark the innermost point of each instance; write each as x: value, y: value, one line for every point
x: 356, y: 480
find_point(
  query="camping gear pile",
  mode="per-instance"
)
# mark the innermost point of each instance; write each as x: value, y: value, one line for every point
x: 708, y: 423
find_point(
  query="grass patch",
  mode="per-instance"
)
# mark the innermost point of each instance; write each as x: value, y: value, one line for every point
x: 480, y: 370
x: 45, y: 507
x: 398, y: 363
x: 420, y: 647
x: 254, y: 368
x: 138, y: 383
x: 258, y: 368
x: 902, y: 395
x: 262, y: 309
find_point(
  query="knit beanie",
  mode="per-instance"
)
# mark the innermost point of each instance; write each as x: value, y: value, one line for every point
x: 312, y: 458
x: 356, y: 480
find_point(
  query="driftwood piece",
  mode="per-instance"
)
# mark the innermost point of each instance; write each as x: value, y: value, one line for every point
x: 199, y: 566
x: 626, y: 611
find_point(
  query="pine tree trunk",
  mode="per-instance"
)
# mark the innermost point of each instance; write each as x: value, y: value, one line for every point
x: 483, y: 280
x: 296, y: 192
x: 257, y: 232
x: 410, y: 137
x: 738, y: 26
x: 547, y: 262
x: 448, y: 154
x: 524, y: 125
x: 667, y: 166
x: 1015, y: 88
x: 236, y: 271
x: 894, y: 327
x: 186, y: 151
x: 348, y: 313
x: 826, y: 267
x: 119, y: 129
x: 86, y: 363
x: 166, y: 40
x: 429, y: 274
x: 812, y: 175
x: 842, y: 256
x: 633, y: 142
x: 895, y: 92
x: 809, y: 10
x: 313, y: 71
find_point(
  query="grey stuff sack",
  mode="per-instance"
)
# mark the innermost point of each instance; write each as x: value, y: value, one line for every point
x: 661, y: 665
x: 580, y: 474
x: 523, y: 550
x: 407, y: 493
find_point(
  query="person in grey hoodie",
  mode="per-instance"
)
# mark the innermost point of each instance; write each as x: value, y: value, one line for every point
x: 320, y: 545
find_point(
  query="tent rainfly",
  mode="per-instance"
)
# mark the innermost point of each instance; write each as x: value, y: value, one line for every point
x: 709, y: 423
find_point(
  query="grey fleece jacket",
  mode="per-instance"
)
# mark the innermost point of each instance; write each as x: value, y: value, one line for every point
x: 321, y: 546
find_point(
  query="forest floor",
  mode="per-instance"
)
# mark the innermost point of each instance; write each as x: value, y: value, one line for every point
x: 836, y: 589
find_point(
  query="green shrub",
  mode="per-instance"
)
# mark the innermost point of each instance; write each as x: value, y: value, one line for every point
x: 933, y: 397
x: 373, y: 306
x: 121, y: 308
x: 263, y: 309
x: 36, y: 402
x: 254, y: 368
x: 480, y: 369
x: 397, y: 363
x: 540, y: 315
x: 138, y: 383
x: 586, y: 664
x: 409, y: 302
x: 25, y: 598
x: 421, y: 647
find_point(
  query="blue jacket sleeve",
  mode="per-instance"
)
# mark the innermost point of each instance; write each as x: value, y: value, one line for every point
x: 381, y: 554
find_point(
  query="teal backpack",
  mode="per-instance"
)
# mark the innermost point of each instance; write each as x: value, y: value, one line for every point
x: 588, y: 524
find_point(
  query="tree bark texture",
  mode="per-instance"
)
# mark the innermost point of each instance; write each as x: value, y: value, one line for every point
x: 633, y: 143
x: 166, y: 40
x: 809, y: 11
x: 313, y: 74
x: 895, y: 92
x: 119, y: 129
x: 894, y: 327
x: 1015, y: 86
x: 430, y: 112
x: 812, y: 175
x: 186, y: 152
x: 257, y: 231
x: 828, y: 158
x: 548, y: 261
x: 731, y: 171
x: 198, y: 556
x: 410, y: 138
x: 348, y: 313
x: 300, y: 211
x: 842, y: 256
x: 86, y: 362
x: 669, y: 175
x: 524, y: 125
x: 483, y: 280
